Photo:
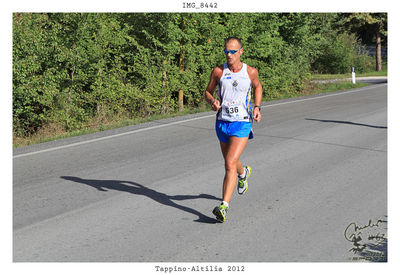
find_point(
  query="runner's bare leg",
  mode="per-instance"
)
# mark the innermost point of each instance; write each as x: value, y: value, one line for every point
x: 224, y: 150
x: 231, y: 152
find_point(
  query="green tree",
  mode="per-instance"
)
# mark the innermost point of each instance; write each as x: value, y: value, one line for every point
x: 375, y: 23
x: 78, y: 69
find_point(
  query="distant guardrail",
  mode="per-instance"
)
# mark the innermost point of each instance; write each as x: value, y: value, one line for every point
x: 371, y: 51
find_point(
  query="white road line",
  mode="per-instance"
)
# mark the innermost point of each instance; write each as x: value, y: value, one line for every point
x: 323, y: 96
x: 108, y: 137
x: 183, y: 121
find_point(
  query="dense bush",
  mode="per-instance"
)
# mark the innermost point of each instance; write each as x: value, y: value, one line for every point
x: 72, y: 68
x: 340, y: 53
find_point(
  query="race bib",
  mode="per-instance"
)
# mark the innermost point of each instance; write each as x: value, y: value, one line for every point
x: 234, y: 111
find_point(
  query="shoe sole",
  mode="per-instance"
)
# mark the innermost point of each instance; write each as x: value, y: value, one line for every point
x: 245, y: 190
x: 219, y: 216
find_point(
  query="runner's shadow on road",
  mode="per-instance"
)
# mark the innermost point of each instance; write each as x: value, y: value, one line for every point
x: 138, y: 189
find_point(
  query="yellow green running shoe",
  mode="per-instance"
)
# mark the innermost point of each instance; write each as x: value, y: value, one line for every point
x: 220, y: 212
x: 243, y: 185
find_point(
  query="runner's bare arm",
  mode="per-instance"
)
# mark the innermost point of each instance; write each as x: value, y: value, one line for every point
x: 214, y: 79
x: 255, y: 82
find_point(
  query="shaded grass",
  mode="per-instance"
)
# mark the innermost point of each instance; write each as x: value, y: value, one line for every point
x: 55, y: 132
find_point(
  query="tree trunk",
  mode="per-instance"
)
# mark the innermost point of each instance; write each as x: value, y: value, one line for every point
x: 181, y: 90
x: 181, y: 66
x: 378, y: 49
x: 164, y: 83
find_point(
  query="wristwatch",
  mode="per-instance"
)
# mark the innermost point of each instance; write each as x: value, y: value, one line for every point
x: 257, y: 106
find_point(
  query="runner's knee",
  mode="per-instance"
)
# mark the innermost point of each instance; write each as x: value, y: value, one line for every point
x: 230, y: 164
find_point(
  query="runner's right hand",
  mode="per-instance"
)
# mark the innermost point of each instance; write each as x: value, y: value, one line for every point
x: 216, y: 105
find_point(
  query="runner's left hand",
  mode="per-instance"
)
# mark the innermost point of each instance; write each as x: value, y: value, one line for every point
x: 257, y: 115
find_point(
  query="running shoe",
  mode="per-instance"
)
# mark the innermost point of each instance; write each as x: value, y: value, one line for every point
x: 243, y: 185
x: 220, y: 212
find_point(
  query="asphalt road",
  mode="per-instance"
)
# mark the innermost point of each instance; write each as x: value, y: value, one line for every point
x: 145, y: 193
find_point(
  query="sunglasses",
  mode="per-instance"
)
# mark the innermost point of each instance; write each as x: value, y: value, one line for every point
x: 231, y: 51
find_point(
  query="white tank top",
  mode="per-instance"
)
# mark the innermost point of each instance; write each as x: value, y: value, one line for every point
x: 234, y: 91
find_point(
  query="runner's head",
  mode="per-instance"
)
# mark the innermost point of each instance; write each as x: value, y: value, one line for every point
x: 233, y: 50
x: 238, y: 40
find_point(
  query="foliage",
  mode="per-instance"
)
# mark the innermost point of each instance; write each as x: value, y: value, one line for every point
x: 366, y: 24
x: 340, y: 54
x: 70, y: 69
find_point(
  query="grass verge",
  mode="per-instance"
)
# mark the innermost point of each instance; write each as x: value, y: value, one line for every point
x: 341, y: 76
x: 53, y: 132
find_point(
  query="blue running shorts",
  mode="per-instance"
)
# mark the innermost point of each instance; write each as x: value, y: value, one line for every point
x: 227, y: 129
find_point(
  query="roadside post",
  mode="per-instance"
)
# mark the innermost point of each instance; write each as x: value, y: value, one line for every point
x: 353, y: 75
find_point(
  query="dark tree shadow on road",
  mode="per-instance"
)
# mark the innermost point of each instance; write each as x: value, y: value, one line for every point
x: 138, y: 189
x: 347, y: 122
